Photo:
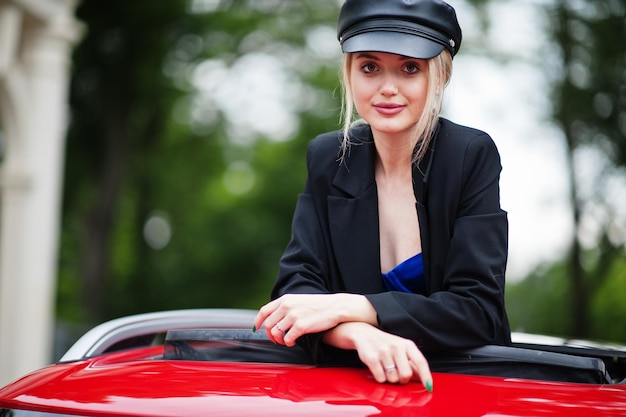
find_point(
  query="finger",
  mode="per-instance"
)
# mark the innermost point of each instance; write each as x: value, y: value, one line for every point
x: 378, y: 372
x: 278, y: 333
x: 290, y: 337
x: 292, y: 331
x: 263, y: 314
x: 421, y: 369
x: 391, y: 372
x: 404, y: 370
x: 268, y: 333
x: 387, y: 364
x: 274, y: 330
x: 385, y: 369
x: 374, y: 365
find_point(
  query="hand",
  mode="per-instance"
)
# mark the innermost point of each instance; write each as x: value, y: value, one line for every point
x: 389, y: 358
x: 293, y: 315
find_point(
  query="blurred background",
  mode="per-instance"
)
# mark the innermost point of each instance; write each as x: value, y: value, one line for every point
x: 187, y: 123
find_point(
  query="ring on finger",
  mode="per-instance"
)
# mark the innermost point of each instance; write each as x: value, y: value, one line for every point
x: 390, y: 368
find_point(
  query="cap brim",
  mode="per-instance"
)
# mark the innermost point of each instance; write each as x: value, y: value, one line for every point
x: 393, y: 43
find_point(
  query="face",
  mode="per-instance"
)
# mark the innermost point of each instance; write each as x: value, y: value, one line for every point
x: 389, y: 91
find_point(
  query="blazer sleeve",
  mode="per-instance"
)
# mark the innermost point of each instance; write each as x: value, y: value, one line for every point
x: 467, y: 245
x: 304, y: 265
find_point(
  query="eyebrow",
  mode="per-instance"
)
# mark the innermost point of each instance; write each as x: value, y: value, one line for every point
x: 367, y: 55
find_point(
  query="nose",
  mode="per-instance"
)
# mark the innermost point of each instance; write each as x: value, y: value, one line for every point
x: 389, y: 86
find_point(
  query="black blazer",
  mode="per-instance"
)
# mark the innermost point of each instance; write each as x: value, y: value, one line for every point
x: 335, y: 238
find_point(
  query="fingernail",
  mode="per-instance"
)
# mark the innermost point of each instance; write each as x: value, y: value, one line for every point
x: 429, y: 386
x: 253, y: 328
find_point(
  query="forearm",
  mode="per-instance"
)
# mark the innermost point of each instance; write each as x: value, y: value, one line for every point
x: 356, y: 308
x: 294, y: 315
x: 390, y: 358
x: 340, y: 336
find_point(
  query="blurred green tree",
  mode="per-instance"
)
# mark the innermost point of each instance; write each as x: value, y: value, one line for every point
x: 182, y: 169
x: 578, y: 297
x: 539, y: 303
x: 589, y: 104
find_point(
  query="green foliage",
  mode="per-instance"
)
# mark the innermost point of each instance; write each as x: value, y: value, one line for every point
x: 589, y: 103
x: 589, y: 100
x: 608, y: 309
x: 540, y: 303
x: 147, y: 148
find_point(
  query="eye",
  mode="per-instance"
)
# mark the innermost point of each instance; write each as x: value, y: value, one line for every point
x: 368, y: 67
x: 411, y: 68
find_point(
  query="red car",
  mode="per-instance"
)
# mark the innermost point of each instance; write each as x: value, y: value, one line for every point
x: 209, y: 363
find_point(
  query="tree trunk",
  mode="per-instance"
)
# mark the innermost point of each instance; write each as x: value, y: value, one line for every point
x: 99, y: 223
x: 579, y: 300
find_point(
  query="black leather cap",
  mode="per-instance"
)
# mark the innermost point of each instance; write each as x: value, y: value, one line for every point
x: 414, y: 28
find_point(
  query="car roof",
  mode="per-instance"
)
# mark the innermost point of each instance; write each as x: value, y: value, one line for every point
x: 135, y: 384
x: 115, y: 369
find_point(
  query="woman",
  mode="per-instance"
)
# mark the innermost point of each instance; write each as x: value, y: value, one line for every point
x: 399, y: 244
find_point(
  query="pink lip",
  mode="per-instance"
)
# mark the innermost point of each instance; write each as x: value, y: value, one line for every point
x: 388, y: 109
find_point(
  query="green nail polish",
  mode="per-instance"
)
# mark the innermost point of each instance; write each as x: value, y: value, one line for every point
x: 429, y: 386
x: 253, y: 328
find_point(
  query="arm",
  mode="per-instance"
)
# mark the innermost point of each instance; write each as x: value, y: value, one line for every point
x: 308, y: 296
x: 291, y: 316
x: 390, y: 358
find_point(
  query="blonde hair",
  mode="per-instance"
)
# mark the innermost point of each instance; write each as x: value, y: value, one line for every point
x: 439, y: 73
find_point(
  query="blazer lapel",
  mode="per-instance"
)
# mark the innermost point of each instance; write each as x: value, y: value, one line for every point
x: 421, y: 182
x: 353, y: 220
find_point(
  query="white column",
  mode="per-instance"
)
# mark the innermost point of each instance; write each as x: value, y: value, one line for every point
x: 33, y: 111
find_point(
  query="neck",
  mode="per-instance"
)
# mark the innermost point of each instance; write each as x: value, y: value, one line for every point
x: 394, y: 156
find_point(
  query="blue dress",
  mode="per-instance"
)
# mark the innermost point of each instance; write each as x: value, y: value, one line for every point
x: 407, y: 276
